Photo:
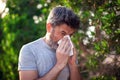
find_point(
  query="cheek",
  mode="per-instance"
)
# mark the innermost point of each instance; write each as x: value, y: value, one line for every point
x: 57, y: 36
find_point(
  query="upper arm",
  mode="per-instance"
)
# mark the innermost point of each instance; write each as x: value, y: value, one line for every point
x: 28, y: 75
x: 27, y: 65
x: 27, y: 59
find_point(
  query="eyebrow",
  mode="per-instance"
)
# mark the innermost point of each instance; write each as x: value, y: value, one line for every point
x: 73, y: 33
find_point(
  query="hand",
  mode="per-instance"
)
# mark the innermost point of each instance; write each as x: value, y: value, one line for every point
x: 72, y: 59
x: 74, y: 70
x: 62, y: 53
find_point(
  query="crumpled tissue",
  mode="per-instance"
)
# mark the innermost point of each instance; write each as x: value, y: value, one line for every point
x: 71, y: 52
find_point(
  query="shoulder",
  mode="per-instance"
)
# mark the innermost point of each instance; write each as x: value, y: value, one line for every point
x: 34, y: 47
x: 36, y: 42
x: 29, y: 50
x: 33, y: 44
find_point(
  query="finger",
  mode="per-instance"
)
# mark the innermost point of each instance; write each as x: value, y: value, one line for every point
x: 63, y: 43
x: 62, y: 47
x: 66, y: 45
x: 68, y: 50
x: 74, y: 52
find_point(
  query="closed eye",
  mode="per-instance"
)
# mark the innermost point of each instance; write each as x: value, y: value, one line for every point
x: 63, y: 33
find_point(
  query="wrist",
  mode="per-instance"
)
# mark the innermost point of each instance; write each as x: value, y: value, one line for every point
x: 73, y: 67
x: 59, y: 66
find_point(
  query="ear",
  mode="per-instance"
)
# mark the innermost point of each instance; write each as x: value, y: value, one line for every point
x: 48, y: 27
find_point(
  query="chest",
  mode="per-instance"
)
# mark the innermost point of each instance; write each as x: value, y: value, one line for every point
x: 46, y: 62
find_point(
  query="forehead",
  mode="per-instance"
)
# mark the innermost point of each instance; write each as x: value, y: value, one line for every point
x: 67, y: 29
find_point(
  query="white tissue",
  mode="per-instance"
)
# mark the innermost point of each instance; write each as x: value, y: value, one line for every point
x: 71, y: 52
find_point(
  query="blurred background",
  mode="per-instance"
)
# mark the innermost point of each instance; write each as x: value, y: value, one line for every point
x: 97, y: 41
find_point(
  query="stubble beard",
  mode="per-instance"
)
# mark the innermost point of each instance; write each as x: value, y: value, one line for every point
x: 53, y: 45
x: 50, y: 42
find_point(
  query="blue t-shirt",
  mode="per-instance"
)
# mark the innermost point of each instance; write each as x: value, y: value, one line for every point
x: 37, y: 55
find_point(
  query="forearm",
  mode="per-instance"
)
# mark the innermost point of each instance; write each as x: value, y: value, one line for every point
x: 74, y: 73
x: 52, y: 74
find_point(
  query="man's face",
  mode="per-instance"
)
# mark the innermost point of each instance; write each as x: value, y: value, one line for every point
x: 59, y: 32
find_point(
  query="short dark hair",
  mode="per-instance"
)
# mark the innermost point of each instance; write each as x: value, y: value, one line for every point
x: 62, y: 15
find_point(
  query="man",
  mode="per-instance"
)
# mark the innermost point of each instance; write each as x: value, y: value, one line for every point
x: 44, y: 59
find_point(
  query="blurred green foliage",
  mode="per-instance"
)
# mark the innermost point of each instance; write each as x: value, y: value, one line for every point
x: 26, y: 22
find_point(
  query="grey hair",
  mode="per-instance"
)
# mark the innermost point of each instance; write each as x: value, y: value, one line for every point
x: 62, y: 15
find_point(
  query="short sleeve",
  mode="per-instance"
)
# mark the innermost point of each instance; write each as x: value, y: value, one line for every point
x: 26, y: 59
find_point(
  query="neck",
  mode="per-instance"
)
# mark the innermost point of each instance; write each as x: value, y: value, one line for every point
x: 47, y: 39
